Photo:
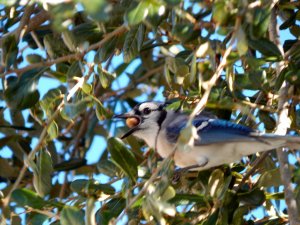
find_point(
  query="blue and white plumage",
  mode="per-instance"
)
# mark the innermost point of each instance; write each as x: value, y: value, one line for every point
x: 218, y: 142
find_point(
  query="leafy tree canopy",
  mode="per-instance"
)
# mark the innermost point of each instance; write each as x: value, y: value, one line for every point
x: 239, y: 59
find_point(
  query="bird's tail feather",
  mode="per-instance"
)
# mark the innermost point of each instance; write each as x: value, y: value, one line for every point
x: 292, y: 142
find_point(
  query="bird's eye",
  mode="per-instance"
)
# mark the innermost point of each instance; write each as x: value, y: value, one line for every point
x: 146, y: 111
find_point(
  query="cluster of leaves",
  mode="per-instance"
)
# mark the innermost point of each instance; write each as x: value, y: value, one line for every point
x: 92, y: 46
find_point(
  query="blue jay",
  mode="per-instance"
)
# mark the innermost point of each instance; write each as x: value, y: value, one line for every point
x: 218, y: 141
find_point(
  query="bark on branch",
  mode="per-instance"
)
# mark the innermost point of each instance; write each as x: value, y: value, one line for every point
x: 283, y: 124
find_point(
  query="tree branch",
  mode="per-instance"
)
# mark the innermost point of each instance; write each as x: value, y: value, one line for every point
x: 209, y: 85
x: 42, y: 138
x: 24, y: 21
x: 78, y: 55
x: 32, y: 23
x: 283, y: 124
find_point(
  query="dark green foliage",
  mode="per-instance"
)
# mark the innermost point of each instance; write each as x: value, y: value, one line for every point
x: 105, y: 56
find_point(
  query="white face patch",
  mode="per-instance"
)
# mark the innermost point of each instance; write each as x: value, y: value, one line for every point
x: 150, y: 105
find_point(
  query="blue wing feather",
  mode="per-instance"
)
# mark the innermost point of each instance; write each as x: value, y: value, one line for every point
x: 210, y: 131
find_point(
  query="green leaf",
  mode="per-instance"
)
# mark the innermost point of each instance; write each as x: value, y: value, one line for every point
x: 71, y: 215
x: 10, y: 50
x: 70, y: 40
x: 270, y: 178
x: 51, y: 100
x: 110, y: 210
x: 177, y: 66
x: 122, y: 157
x: 72, y: 110
x: 100, y: 10
x: 108, y: 168
x: 189, y: 198
x: 106, y: 51
x: 53, y: 130
x: 55, y: 46
x: 238, y: 216
x: 261, y: 21
x: 276, y: 196
x: 137, y: 14
x: 255, y: 197
x: 25, y: 197
x: 220, y: 13
x: 104, y: 80
x: 87, y: 88
x: 185, y: 32
x: 242, y: 44
x: 89, y: 31
x: 215, y: 182
x: 91, y: 187
x: 192, y: 76
x: 36, y: 219
x: 173, y: 2
x: 101, y: 111
x: 74, y: 70
x: 265, y: 47
x: 42, y: 174
x: 6, y: 170
x: 212, y: 219
x: 21, y: 93
x: 71, y: 164
x: 34, y: 58
x: 133, y: 42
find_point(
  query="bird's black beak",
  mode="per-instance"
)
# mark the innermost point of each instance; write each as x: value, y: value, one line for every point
x: 132, y: 121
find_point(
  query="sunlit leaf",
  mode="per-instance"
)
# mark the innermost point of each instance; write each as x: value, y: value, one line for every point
x: 215, y: 182
x: 53, y: 130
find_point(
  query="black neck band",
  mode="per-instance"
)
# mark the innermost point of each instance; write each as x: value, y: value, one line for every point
x: 162, y: 117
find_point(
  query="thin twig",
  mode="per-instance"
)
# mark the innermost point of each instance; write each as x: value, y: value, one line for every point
x: 254, y: 166
x: 36, y: 40
x: 43, y: 212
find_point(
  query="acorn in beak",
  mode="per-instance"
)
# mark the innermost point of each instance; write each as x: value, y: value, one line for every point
x: 132, y: 121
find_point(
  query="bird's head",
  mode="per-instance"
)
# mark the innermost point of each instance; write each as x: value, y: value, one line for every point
x: 144, y: 121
